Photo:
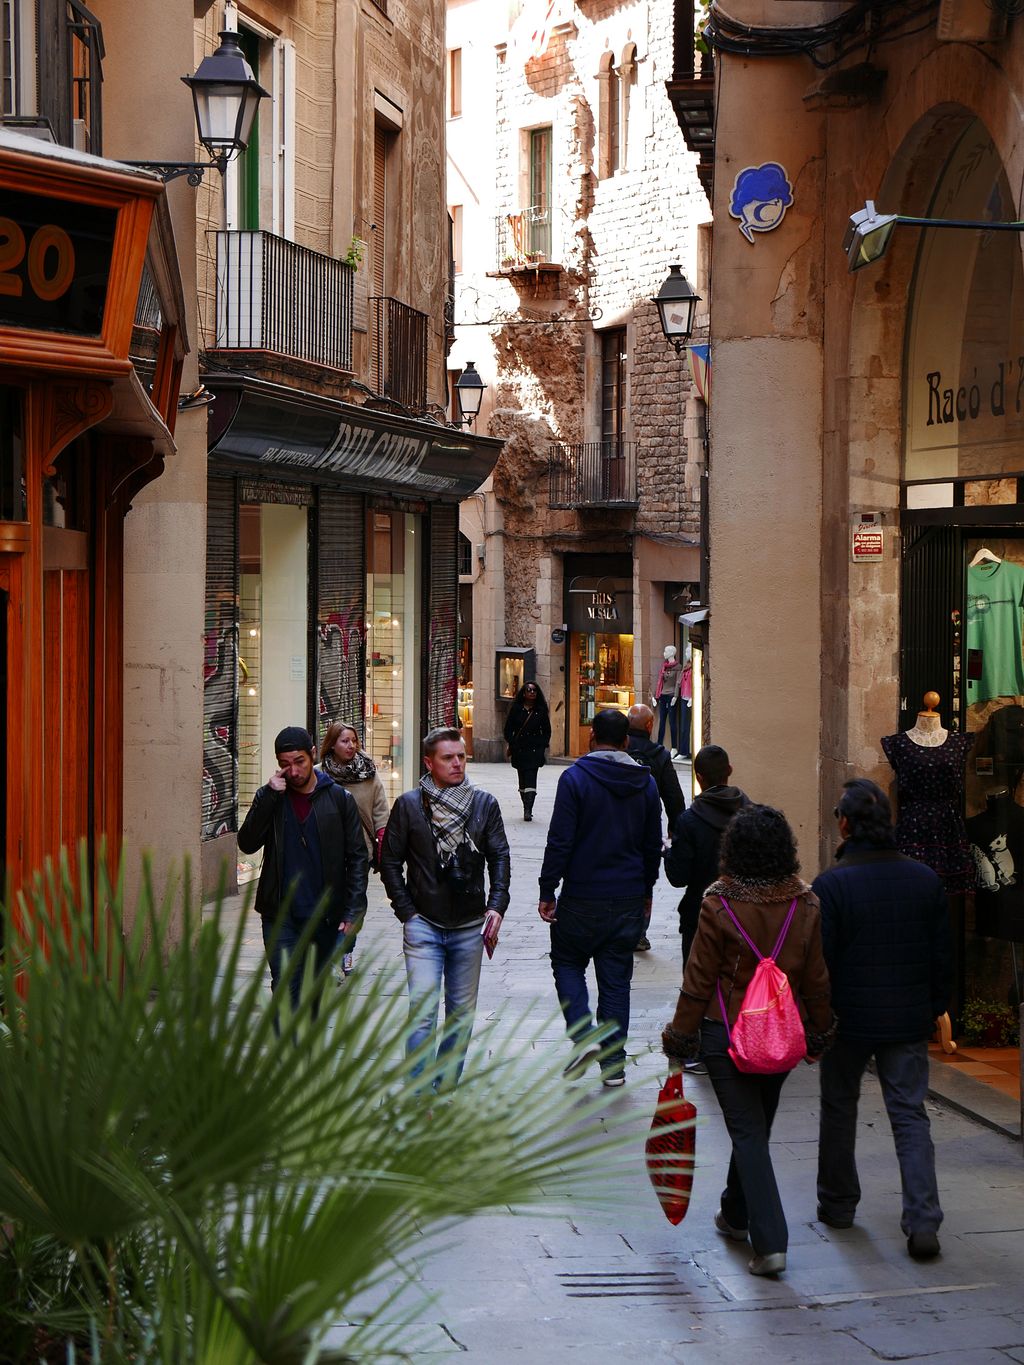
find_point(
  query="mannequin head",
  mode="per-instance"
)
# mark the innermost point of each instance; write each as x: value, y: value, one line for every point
x: 669, y: 652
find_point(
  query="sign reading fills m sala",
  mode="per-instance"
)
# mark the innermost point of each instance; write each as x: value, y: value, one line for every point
x: 55, y: 259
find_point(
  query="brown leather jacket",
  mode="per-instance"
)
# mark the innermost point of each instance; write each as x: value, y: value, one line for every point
x: 720, y: 954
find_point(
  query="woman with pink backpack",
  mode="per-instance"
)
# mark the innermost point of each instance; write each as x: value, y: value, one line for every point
x: 755, y: 1001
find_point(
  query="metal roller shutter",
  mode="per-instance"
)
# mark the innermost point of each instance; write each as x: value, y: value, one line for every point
x: 220, y: 662
x: 443, y: 642
x: 341, y: 612
x: 932, y: 589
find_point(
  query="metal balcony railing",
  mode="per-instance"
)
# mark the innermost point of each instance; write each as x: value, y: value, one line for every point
x: 592, y: 474
x: 273, y: 295
x: 524, y: 238
x: 399, y: 352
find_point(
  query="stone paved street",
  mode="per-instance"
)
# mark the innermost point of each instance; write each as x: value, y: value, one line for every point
x: 600, y: 1286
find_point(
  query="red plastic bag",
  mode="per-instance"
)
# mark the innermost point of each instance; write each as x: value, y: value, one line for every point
x: 670, y: 1150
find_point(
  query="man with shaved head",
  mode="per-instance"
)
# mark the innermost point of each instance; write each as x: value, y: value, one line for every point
x: 657, y: 760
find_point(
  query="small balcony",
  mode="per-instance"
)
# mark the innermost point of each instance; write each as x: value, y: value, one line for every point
x: 273, y: 295
x: 525, y: 240
x: 398, y: 352
x: 691, y: 91
x: 592, y: 474
x: 51, y: 73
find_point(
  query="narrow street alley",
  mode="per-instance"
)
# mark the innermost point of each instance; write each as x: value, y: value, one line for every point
x: 620, y: 1284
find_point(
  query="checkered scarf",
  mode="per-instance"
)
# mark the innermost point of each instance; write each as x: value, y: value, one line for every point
x: 449, y: 812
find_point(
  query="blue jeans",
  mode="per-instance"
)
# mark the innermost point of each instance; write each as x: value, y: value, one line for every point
x: 433, y: 955
x: 902, y: 1070
x: 666, y: 711
x: 748, y: 1102
x: 290, y: 931
x: 605, y: 932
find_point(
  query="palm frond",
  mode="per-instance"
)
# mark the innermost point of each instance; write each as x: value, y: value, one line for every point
x: 204, y: 1173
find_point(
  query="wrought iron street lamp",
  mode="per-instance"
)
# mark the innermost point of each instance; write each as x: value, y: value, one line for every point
x: 226, y: 96
x: 868, y: 232
x: 469, y: 394
x: 676, y: 302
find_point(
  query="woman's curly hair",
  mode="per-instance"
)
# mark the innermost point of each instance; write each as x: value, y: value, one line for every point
x: 758, y: 845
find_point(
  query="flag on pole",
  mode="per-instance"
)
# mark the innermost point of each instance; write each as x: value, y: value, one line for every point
x: 700, y: 369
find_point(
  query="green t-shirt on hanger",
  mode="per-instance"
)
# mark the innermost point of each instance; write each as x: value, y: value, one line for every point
x: 995, y: 599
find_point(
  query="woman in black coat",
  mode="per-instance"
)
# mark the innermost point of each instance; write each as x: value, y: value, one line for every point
x: 527, y: 735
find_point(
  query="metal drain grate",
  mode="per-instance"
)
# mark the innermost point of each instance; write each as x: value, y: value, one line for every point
x: 623, y: 1284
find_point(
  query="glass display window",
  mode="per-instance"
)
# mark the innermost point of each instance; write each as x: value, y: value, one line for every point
x: 273, y: 629
x: 601, y: 677
x: 392, y: 647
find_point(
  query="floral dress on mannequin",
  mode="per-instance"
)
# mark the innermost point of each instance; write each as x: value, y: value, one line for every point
x: 930, y: 793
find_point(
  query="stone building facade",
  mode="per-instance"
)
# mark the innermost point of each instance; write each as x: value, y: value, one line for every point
x: 334, y: 478
x: 887, y: 396
x: 569, y: 224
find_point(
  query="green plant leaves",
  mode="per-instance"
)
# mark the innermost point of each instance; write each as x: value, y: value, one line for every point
x: 192, y: 1184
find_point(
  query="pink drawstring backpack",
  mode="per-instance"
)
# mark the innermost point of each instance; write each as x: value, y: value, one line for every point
x: 768, y: 1036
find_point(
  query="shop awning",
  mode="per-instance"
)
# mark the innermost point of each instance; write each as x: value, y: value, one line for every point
x: 321, y: 440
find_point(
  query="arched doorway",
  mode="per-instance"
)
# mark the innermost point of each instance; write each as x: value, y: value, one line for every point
x: 962, y: 523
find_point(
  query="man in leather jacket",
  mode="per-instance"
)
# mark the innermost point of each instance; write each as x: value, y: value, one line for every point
x: 438, y: 840
x: 313, y: 850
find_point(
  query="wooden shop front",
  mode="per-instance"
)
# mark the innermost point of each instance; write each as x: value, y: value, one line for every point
x: 91, y: 348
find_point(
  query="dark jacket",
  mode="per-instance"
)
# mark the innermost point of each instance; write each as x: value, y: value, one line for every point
x: 527, y: 734
x: 604, y: 840
x: 692, y: 861
x: 342, y: 849
x: 408, y: 863
x: 885, y: 929
x: 720, y: 955
x: 657, y: 760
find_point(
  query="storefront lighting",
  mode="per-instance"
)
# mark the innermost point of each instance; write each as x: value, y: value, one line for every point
x: 676, y: 303
x: 253, y: 631
x: 225, y: 96
x: 868, y: 232
x: 469, y: 394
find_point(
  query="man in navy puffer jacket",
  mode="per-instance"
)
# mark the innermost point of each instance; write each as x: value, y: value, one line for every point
x: 885, y: 931
x: 604, y: 847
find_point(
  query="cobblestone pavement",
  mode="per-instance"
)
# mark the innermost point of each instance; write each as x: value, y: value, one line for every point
x: 599, y: 1286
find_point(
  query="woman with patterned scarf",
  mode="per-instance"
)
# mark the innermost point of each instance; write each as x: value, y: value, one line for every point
x: 342, y: 759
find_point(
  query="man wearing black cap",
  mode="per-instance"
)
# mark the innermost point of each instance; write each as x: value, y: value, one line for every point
x: 313, y: 847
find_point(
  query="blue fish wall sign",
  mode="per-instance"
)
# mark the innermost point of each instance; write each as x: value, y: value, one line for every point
x: 760, y: 197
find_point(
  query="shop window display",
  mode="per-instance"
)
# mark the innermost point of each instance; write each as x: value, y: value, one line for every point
x: 392, y: 649
x: 994, y: 688
x: 602, y: 678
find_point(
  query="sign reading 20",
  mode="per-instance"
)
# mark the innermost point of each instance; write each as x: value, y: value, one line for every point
x: 48, y: 256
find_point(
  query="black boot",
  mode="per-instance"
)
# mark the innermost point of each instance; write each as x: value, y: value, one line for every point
x: 528, y: 800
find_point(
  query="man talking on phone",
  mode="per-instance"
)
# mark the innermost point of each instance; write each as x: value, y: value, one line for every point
x: 440, y: 837
x: 313, y: 849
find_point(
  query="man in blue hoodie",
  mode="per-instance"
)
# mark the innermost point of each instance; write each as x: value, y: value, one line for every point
x: 313, y: 849
x: 604, y: 847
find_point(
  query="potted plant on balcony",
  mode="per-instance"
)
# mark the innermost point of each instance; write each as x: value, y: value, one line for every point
x: 536, y: 257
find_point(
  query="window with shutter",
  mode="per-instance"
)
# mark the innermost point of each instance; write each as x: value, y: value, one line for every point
x: 381, y: 139
x: 443, y: 641
x: 220, y: 662
x: 340, y: 611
